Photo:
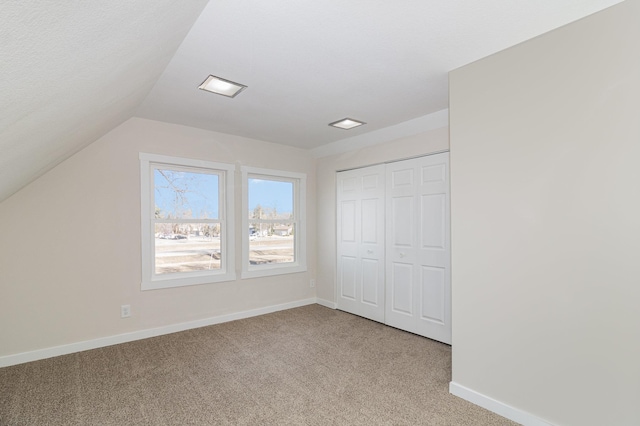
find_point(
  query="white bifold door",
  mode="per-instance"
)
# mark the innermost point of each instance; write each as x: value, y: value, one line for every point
x: 394, y: 245
x: 418, y: 266
x: 360, y: 225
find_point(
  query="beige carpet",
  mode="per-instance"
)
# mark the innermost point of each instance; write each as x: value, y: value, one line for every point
x: 304, y: 366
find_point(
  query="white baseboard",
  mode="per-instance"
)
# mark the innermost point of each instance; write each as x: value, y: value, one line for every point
x: 326, y: 303
x: 496, y: 406
x: 8, y: 360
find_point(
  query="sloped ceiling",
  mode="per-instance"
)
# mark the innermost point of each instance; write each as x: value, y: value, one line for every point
x: 308, y: 63
x: 70, y: 71
x: 73, y: 70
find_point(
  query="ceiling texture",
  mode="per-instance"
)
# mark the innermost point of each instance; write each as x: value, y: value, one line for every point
x: 74, y: 70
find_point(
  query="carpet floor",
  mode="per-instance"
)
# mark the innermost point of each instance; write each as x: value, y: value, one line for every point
x: 305, y: 366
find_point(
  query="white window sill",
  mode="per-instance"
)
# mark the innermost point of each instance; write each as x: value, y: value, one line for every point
x: 269, y: 270
x: 161, y: 283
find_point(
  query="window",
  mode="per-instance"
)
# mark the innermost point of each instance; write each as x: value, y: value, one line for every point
x: 187, y: 221
x: 273, y: 222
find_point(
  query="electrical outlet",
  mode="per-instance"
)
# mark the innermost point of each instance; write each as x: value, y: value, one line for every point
x: 125, y: 311
x: 312, y: 282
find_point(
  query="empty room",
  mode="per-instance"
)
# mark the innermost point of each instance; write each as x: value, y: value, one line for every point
x: 221, y: 212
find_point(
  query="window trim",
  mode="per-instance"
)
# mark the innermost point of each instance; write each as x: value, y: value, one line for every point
x: 299, y: 207
x: 151, y: 281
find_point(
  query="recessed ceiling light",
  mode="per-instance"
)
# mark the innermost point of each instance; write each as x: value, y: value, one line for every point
x: 347, y: 123
x: 221, y: 86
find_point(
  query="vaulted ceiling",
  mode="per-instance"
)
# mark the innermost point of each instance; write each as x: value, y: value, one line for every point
x: 72, y: 71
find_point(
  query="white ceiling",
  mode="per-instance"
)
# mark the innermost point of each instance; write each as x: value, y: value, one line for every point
x: 308, y: 63
x: 72, y: 71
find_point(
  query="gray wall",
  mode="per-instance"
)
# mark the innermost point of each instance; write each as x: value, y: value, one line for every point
x: 72, y: 251
x: 545, y: 189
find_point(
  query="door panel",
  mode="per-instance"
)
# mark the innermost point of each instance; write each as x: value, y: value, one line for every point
x: 361, y: 238
x: 433, y: 174
x: 402, y: 177
x: 401, y: 220
x: 434, y: 229
x: 433, y: 295
x: 401, y: 285
x: 348, y: 221
x: 348, y: 277
x: 371, y: 181
x: 348, y: 184
x: 394, y: 245
x: 417, y: 240
x: 370, y: 273
x: 369, y: 220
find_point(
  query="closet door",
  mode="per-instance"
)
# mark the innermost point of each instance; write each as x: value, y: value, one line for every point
x: 360, y: 226
x: 418, y: 277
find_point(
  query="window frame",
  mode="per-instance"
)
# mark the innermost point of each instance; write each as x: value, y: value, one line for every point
x: 225, y: 172
x: 299, y: 181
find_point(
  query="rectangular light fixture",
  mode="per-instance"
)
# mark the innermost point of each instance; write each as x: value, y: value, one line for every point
x: 221, y: 86
x: 347, y: 123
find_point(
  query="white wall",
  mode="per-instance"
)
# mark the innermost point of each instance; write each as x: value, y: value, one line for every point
x: 423, y: 143
x: 70, y: 242
x: 545, y: 190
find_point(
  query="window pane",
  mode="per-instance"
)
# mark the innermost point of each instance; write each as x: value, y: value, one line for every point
x: 185, y: 195
x: 187, y: 247
x: 270, y: 199
x: 271, y: 243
